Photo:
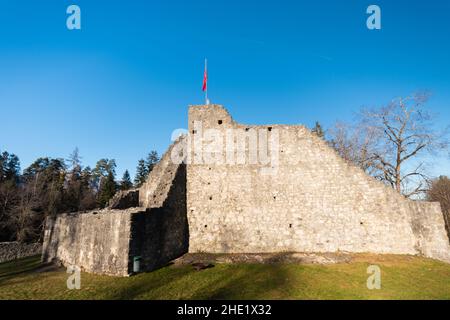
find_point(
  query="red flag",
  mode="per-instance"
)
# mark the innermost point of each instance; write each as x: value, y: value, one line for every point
x: 205, y: 78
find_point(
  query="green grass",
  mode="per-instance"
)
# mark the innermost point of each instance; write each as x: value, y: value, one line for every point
x: 403, y: 277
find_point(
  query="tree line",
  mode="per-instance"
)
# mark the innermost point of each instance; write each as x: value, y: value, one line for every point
x: 50, y: 186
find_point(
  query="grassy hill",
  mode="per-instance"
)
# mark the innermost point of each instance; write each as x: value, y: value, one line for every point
x: 403, y: 277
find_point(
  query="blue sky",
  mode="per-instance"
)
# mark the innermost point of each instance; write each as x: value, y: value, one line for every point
x: 121, y: 85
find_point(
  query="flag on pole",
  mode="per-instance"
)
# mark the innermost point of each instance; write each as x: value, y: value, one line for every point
x: 205, y: 78
x: 205, y: 82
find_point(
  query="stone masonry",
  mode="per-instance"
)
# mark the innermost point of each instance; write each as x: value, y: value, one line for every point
x: 15, y: 250
x: 298, y: 196
x: 149, y: 223
x: 314, y: 202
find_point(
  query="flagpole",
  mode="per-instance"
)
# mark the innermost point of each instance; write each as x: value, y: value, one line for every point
x: 206, y: 91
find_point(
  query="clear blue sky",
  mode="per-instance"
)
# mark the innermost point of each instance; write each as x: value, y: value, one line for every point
x: 121, y: 85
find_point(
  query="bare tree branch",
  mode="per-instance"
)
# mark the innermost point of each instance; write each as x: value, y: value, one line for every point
x: 386, y: 140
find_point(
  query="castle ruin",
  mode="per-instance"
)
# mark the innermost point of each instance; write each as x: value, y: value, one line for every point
x: 214, y: 192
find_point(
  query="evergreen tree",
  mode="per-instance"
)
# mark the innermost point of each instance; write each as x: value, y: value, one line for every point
x: 126, y: 184
x: 75, y: 160
x: 104, y: 180
x: 44, y: 172
x: 151, y: 161
x: 9, y: 193
x: 73, y: 192
x: 102, y: 170
x: 318, y: 130
x: 107, y: 190
x: 41, y: 194
x: 88, y: 200
x: 141, y: 173
x: 9, y: 167
x: 87, y: 178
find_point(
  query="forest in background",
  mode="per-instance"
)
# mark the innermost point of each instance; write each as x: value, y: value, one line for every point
x: 50, y: 186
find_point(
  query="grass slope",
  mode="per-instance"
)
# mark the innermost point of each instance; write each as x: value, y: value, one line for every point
x: 403, y: 277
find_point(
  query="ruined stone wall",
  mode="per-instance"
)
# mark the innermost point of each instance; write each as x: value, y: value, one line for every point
x: 314, y: 201
x: 155, y: 190
x: 303, y: 197
x: 107, y: 241
x: 161, y: 233
x: 97, y: 241
x: 15, y: 250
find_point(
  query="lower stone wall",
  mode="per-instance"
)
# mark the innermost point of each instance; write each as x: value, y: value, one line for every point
x: 14, y: 250
x: 107, y: 241
x: 97, y: 241
x: 162, y: 234
x: 427, y: 224
x: 248, y: 213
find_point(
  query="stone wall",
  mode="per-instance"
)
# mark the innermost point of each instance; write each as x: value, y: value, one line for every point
x: 107, y: 241
x: 15, y: 250
x: 155, y: 190
x: 314, y: 201
x: 161, y: 234
x: 97, y: 242
x: 302, y: 198
x: 124, y: 199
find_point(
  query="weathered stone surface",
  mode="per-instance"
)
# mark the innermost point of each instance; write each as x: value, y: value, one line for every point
x: 14, y: 250
x: 96, y: 241
x: 154, y: 191
x: 124, y: 200
x: 107, y: 241
x: 161, y: 234
x: 316, y: 202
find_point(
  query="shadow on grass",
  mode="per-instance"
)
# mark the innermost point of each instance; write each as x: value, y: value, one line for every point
x: 20, y: 267
x: 253, y: 282
x: 145, y: 283
x: 240, y: 281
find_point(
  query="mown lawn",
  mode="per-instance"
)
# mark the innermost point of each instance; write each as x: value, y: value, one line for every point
x: 402, y: 277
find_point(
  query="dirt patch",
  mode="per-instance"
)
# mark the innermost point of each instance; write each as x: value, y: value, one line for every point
x: 387, y: 259
x: 264, y: 258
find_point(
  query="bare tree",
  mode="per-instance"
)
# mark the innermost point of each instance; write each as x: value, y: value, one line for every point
x: 389, y: 143
x: 22, y: 218
x: 354, y: 144
x: 9, y: 198
x: 439, y: 190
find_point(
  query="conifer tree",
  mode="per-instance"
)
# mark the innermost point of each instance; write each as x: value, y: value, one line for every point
x: 126, y: 184
x: 318, y: 130
x: 107, y: 190
x: 74, y: 189
x: 151, y: 161
x: 141, y: 173
x: 87, y: 201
